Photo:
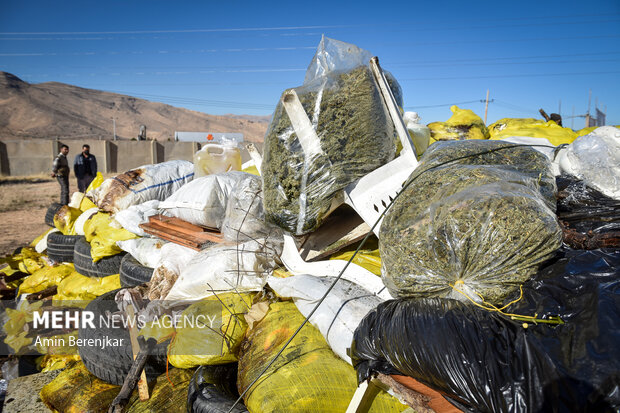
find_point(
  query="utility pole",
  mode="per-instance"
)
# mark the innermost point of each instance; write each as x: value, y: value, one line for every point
x: 114, y: 126
x: 486, y: 107
x: 572, y: 119
x: 589, y: 104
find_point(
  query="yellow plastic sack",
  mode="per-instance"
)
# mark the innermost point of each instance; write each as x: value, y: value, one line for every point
x: 8, y: 271
x: 103, y: 237
x: 463, y: 124
x: 77, y: 390
x: 79, y: 287
x: 96, y: 183
x: 535, y: 128
x: 17, y: 319
x: 49, y: 362
x: 368, y: 259
x: 64, y: 220
x: 307, y: 377
x: 86, y: 204
x: 218, y: 339
x: 45, y: 277
x: 28, y: 260
x: 166, y: 396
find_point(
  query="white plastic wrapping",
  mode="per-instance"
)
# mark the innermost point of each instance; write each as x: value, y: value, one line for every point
x: 132, y: 217
x: 226, y: 268
x: 203, y: 201
x: 145, y: 183
x: 147, y: 251
x: 173, y: 259
x: 338, y: 316
x: 595, y: 159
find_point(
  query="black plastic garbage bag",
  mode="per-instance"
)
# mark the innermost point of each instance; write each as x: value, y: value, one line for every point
x: 589, y: 218
x: 485, y: 362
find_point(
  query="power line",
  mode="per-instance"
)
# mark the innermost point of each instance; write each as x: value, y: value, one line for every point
x: 509, y: 76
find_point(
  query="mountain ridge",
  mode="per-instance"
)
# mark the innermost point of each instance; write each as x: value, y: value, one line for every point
x: 60, y: 110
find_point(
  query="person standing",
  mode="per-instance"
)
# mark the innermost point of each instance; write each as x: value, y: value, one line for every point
x: 60, y: 171
x: 85, y: 168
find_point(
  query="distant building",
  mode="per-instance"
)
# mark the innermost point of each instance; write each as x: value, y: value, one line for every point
x: 206, y: 136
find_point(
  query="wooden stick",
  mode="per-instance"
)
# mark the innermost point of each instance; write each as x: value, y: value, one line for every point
x: 133, y: 376
x: 143, y: 388
x: 48, y: 292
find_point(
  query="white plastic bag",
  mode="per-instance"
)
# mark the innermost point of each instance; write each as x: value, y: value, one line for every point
x: 595, y: 158
x: 338, y: 316
x: 146, y: 183
x: 173, y: 259
x: 203, y: 201
x: 147, y: 251
x: 132, y: 217
x: 226, y: 268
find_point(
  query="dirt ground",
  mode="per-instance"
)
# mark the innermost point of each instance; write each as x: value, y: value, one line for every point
x: 23, y: 203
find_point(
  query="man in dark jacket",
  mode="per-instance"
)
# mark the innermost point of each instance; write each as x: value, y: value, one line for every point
x: 60, y: 171
x: 85, y: 168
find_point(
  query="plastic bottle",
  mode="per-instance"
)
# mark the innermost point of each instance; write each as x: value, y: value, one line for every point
x: 216, y: 158
x: 420, y: 134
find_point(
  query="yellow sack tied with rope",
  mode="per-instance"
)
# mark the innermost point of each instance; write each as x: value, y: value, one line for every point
x: 78, y: 287
x: 463, y: 124
x: 217, y: 334
x: 65, y: 218
x: 535, y: 128
x: 45, y: 277
x: 102, y: 236
x: 307, y: 377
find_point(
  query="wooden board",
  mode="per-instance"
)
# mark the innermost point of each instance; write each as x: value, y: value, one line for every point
x: 341, y: 229
x: 181, y: 232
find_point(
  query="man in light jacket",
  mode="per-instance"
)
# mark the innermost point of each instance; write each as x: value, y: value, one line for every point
x: 85, y: 168
x: 60, y: 171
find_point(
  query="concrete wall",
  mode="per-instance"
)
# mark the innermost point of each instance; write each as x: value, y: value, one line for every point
x: 32, y: 157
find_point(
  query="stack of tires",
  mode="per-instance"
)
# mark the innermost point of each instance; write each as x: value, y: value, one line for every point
x: 110, y: 363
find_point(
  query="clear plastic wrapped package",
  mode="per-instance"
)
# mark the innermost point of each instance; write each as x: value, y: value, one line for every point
x: 595, y: 158
x: 352, y: 135
x: 474, y: 225
x: 245, y: 215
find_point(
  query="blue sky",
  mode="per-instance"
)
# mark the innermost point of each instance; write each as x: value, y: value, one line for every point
x: 238, y: 57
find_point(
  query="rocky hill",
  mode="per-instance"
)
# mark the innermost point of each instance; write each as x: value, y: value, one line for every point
x: 58, y: 110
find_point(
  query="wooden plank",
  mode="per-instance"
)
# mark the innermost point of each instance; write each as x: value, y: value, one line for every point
x: 176, y: 222
x: 173, y: 238
x: 143, y: 388
x: 165, y: 227
x: 197, y: 239
x: 341, y: 229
